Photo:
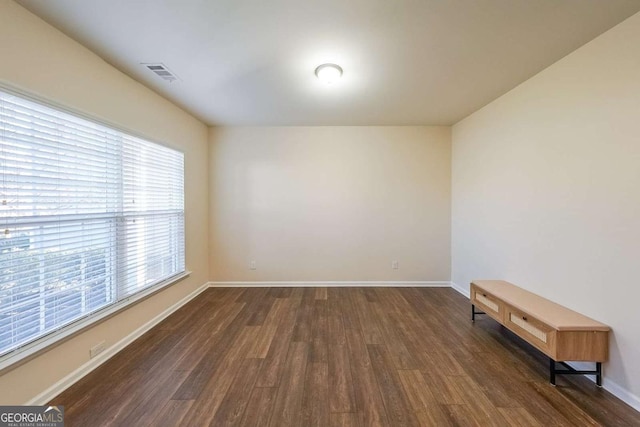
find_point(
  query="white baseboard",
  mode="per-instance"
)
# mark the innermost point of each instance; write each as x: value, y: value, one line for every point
x: 295, y: 284
x: 461, y: 290
x: 92, y: 364
x: 621, y: 393
x: 612, y: 387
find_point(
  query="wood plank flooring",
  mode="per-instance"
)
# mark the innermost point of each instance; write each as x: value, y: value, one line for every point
x: 333, y: 357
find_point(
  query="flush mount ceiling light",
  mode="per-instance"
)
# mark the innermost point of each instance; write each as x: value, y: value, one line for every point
x: 328, y: 73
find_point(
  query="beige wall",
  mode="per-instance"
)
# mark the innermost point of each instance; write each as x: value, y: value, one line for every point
x: 546, y: 190
x: 330, y: 203
x: 41, y: 60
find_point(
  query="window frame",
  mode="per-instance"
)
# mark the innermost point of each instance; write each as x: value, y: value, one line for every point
x: 33, y: 348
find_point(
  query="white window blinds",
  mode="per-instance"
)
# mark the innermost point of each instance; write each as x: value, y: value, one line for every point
x: 88, y: 217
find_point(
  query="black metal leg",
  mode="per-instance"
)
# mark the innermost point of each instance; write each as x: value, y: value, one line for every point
x: 474, y: 312
x: 567, y: 369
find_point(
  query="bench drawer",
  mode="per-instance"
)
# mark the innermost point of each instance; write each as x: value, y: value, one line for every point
x: 491, y: 305
x: 537, y: 333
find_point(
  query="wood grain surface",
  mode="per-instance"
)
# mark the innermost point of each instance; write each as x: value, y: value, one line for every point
x: 333, y: 356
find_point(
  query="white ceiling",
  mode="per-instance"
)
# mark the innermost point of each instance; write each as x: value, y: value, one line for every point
x: 251, y: 62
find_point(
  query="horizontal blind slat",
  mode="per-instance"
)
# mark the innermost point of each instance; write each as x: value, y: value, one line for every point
x: 91, y: 215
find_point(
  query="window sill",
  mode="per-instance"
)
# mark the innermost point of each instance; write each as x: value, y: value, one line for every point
x: 29, y: 351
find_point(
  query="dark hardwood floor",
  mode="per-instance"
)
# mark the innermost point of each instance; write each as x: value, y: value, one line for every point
x: 333, y: 357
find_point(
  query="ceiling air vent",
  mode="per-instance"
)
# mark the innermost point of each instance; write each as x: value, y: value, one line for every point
x: 162, y: 71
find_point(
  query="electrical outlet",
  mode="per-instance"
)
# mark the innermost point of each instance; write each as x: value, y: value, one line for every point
x: 252, y: 265
x: 97, y: 349
x: 394, y: 265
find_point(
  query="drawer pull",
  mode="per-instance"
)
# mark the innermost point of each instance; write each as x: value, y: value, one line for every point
x: 488, y: 303
x: 484, y: 295
x: 521, y: 321
x: 524, y: 318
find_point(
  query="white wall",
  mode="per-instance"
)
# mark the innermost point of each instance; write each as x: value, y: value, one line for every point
x: 330, y: 203
x: 39, y: 59
x: 546, y: 191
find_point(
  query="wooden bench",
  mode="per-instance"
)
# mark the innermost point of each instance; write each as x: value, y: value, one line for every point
x: 560, y: 333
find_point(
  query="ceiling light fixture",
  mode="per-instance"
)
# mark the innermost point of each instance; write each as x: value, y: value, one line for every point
x: 328, y: 73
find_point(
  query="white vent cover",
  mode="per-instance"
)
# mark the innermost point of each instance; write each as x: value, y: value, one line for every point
x: 162, y: 71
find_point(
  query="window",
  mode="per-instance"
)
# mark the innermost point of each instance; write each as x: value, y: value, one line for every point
x: 89, y: 217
